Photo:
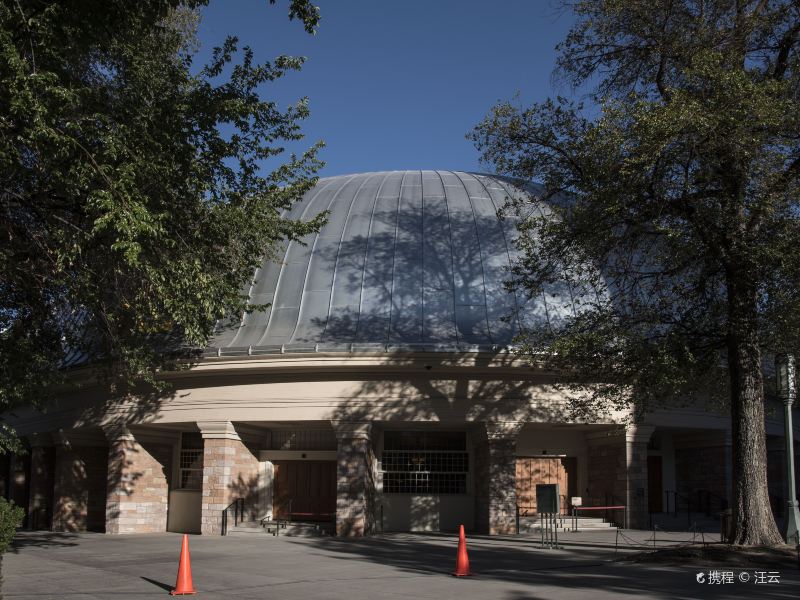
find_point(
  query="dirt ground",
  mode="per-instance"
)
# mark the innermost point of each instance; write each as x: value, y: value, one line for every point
x: 717, y: 554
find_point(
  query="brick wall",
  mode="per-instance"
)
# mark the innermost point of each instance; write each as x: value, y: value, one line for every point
x: 230, y: 471
x: 495, y: 474
x: 502, y: 493
x: 80, y: 488
x: 138, y: 491
x: 355, y: 487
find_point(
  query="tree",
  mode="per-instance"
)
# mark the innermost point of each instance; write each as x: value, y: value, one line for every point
x: 680, y: 225
x: 11, y: 517
x: 137, y: 194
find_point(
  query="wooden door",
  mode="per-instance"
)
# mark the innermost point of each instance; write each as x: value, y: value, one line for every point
x: 532, y: 471
x: 655, y: 491
x: 305, y: 490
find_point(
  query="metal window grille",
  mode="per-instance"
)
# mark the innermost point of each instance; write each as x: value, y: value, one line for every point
x: 425, y: 483
x: 191, y: 461
x: 425, y: 463
x: 191, y: 469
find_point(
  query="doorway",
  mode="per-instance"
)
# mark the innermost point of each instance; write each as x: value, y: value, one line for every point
x: 532, y: 471
x: 305, y: 490
x: 655, y: 491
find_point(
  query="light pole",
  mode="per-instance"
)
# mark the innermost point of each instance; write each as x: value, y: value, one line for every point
x: 787, y: 392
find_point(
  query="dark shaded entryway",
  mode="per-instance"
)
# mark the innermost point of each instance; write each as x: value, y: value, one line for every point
x: 305, y: 490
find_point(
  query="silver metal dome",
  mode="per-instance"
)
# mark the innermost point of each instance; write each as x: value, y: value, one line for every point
x: 411, y: 260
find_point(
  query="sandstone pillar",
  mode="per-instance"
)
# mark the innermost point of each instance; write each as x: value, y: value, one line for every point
x: 636, y: 440
x: 355, y: 481
x: 230, y: 472
x: 496, y: 477
x: 137, y: 489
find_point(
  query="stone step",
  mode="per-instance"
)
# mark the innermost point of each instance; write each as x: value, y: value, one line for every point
x: 291, y: 529
x: 565, y: 523
x: 249, y: 525
x: 537, y: 530
x: 568, y: 521
x: 587, y: 526
x: 562, y: 518
x: 245, y: 531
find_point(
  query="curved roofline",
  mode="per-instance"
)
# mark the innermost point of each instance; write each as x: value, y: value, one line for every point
x: 408, y: 261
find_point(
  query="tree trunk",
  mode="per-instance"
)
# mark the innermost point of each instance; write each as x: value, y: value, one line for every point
x: 752, y: 521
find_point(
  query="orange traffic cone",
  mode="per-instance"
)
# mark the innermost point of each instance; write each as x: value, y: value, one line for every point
x: 462, y: 560
x: 184, y: 583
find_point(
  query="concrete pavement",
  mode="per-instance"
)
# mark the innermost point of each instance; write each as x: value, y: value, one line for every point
x: 90, y: 566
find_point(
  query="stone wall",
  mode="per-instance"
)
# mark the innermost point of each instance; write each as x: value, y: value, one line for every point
x: 502, y: 486
x: 355, y: 481
x: 480, y: 475
x: 138, y: 490
x: 496, y: 478
x: 230, y: 471
x: 80, y: 488
x: 636, y: 500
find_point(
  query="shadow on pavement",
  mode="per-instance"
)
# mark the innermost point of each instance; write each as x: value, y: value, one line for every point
x: 579, y: 570
x: 43, y: 539
x: 163, y: 586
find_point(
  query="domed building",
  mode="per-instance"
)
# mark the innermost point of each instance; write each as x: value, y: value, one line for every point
x: 378, y: 391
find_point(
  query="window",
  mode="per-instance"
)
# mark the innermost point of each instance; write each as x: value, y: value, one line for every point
x: 425, y: 462
x: 191, y: 461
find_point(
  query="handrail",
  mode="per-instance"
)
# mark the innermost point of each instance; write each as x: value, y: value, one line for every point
x: 613, y: 499
x: 238, y: 514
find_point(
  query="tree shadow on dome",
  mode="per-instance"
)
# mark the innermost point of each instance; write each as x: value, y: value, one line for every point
x: 424, y: 276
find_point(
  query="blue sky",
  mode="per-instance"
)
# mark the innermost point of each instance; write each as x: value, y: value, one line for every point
x: 398, y: 84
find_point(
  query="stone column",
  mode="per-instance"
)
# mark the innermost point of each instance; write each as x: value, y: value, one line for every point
x: 636, y: 440
x: 137, y: 490
x: 618, y: 471
x: 230, y: 472
x: 496, y: 478
x: 355, y: 481
x: 40, y: 503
